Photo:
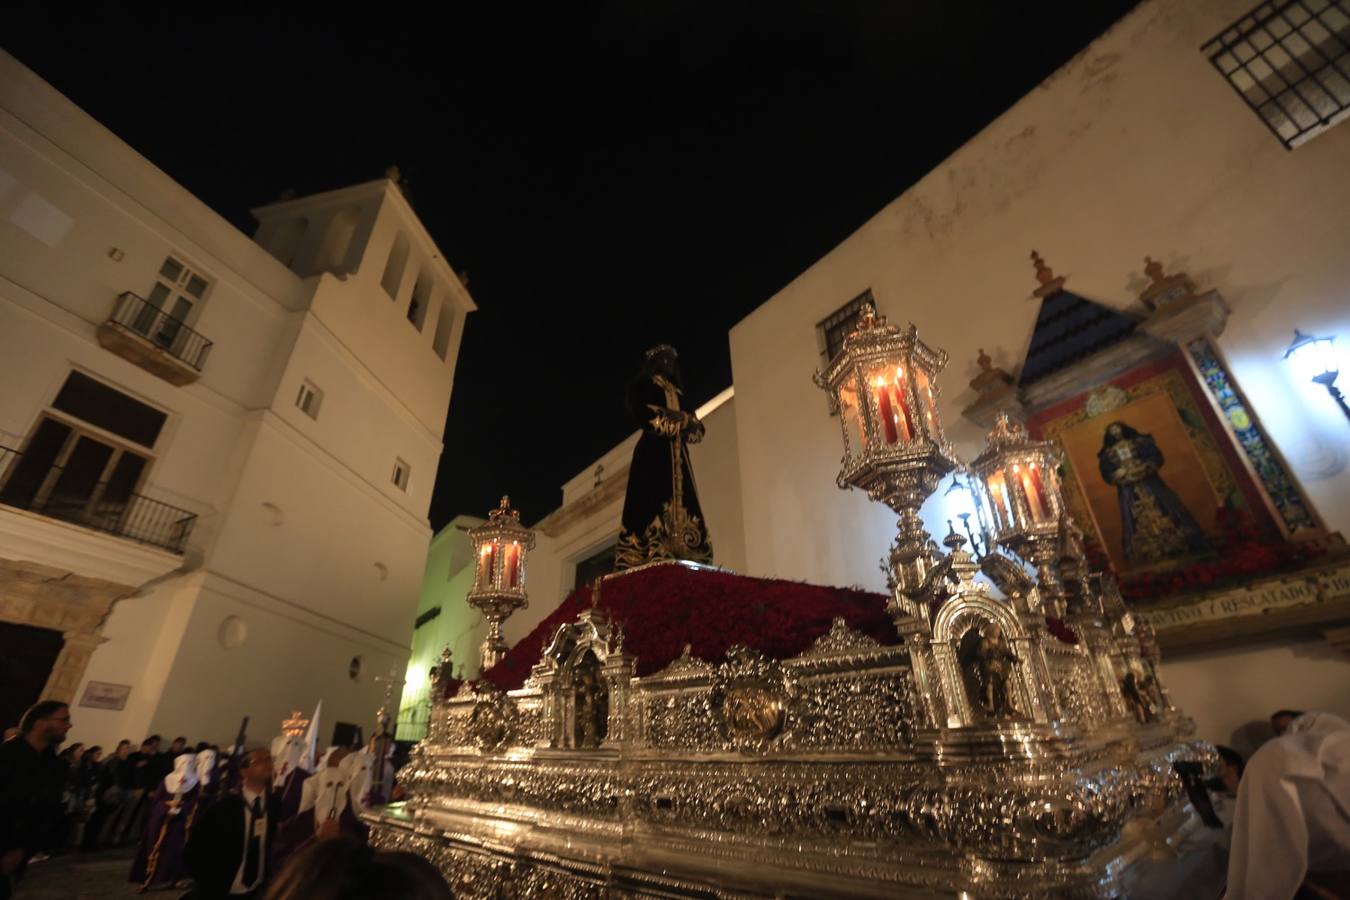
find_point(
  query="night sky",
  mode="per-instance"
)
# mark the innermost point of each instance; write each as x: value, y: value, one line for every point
x: 610, y: 175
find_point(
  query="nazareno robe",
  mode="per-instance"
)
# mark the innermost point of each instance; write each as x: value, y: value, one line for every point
x: 159, y: 856
x: 662, y: 518
x: 327, y: 793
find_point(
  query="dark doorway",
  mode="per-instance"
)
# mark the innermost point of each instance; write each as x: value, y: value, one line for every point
x: 27, y: 655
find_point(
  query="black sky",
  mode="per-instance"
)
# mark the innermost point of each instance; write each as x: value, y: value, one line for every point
x: 610, y: 175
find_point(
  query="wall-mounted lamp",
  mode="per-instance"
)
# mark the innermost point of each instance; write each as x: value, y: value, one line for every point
x: 967, y: 505
x: 1314, y: 358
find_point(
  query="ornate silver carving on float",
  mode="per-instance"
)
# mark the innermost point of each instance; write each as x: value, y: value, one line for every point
x: 752, y: 700
x: 1010, y: 745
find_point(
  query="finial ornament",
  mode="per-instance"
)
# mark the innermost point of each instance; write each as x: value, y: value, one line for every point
x: 1153, y: 269
x: 991, y: 378
x: 1050, y: 283
x: 1163, y: 289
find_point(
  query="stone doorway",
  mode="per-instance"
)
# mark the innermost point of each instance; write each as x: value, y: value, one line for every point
x: 27, y: 656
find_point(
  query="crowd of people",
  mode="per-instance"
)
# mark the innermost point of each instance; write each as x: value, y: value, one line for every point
x: 279, y: 822
x: 284, y: 823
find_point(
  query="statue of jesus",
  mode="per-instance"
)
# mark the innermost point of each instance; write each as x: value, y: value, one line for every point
x: 661, y: 514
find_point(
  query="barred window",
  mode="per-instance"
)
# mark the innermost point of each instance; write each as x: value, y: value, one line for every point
x: 837, y: 326
x: 840, y: 323
x: 1290, y: 62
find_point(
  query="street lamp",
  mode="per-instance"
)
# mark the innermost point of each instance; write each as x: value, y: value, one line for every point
x: 1314, y: 358
x: 967, y: 506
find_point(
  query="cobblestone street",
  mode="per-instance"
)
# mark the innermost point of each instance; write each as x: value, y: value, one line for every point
x: 83, y: 876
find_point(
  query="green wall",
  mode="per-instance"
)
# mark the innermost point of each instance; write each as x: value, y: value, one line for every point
x: 445, y: 582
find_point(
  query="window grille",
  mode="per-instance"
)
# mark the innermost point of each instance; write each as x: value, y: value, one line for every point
x: 837, y: 326
x: 1290, y: 62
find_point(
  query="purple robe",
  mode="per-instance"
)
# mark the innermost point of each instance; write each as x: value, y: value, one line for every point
x: 159, y: 856
x: 299, y: 831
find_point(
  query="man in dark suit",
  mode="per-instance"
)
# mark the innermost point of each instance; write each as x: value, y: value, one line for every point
x: 30, y: 787
x: 231, y: 844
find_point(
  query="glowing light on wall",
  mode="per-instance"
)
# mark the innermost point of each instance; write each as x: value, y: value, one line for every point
x: 955, y: 505
x: 415, y: 680
x: 1315, y: 359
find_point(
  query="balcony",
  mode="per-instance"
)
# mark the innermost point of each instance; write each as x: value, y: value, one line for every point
x: 103, y: 505
x: 146, y: 335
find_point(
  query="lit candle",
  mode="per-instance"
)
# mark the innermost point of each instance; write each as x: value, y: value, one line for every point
x: 486, y: 556
x: 512, y: 564
x: 1033, y: 496
x: 1042, y: 506
x: 888, y: 420
x: 998, y: 492
x: 904, y: 421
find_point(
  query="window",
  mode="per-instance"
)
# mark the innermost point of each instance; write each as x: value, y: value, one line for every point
x: 592, y: 567
x: 1290, y: 62
x: 87, y: 455
x: 337, y: 242
x: 840, y: 323
x: 176, y: 290
x: 444, y: 322
x: 421, y: 297
x: 109, y: 409
x: 393, y: 269
x: 837, y: 326
x: 426, y: 617
x: 401, y: 472
x: 309, y: 399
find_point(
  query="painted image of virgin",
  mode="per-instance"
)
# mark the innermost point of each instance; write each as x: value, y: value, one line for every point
x: 1155, y: 525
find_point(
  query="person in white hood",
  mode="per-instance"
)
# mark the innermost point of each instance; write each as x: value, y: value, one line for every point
x: 1293, y: 812
x: 326, y: 807
x: 173, y: 807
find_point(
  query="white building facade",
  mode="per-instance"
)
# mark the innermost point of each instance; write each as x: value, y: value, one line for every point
x: 1139, y: 146
x: 218, y: 451
x: 1144, y: 144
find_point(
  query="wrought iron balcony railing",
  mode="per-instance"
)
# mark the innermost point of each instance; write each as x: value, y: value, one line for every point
x: 134, y: 313
x: 132, y: 516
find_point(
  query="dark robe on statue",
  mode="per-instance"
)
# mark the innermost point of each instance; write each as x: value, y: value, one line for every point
x: 173, y: 809
x: 662, y: 518
x: 1155, y: 524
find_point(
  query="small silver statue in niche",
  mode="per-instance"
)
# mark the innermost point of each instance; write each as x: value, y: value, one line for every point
x: 988, y: 663
x: 590, y: 708
x: 1136, y: 692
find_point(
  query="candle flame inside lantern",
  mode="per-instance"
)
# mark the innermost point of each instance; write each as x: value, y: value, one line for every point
x: 486, y: 557
x: 513, y: 564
